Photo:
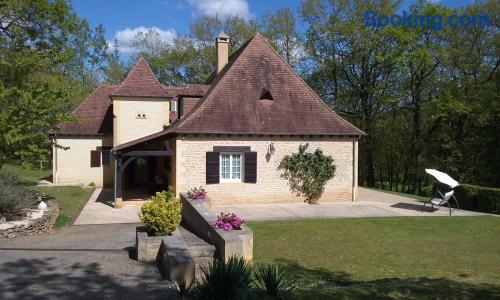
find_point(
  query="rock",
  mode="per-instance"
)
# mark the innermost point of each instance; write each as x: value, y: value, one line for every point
x: 42, y: 205
x: 3, y: 219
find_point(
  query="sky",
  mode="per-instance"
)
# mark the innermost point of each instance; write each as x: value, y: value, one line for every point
x: 125, y: 18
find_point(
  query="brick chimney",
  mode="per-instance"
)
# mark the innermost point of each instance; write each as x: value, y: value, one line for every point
x: 221, y: 51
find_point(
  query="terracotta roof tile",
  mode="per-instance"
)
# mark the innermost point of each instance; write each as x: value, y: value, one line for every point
x: 94, y: 115
x: 141, y: 81
x: 232, y: 103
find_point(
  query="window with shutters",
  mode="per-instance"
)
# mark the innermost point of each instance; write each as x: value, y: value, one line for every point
x: 231, y: 165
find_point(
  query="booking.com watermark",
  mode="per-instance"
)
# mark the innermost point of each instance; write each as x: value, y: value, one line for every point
x: 436, y: 22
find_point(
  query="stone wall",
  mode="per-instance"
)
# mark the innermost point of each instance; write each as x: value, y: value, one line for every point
x: 270, y: 187
x: 38, y: 222
x: 200, y: 220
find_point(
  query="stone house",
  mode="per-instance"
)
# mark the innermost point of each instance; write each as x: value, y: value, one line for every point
x: 228, y: 135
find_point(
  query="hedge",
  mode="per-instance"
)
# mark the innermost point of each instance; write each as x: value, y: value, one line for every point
x: 478, y: 198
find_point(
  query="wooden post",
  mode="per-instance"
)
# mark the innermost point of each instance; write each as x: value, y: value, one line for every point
x: 118, y: 182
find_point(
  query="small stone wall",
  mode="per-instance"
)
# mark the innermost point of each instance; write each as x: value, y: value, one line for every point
x: 200, y: 220
x: 38, y: 221
x: 147, y: 246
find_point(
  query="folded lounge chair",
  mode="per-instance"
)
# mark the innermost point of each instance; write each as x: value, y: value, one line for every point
x: 442, y: 200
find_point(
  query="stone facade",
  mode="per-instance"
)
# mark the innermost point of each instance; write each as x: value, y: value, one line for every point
x: 37, y: 222
x: 71, y: 164
x: 138, y: 117
x: 270, y: 187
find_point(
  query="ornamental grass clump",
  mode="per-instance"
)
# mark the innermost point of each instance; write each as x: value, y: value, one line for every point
x: 197, y: 193
x: 228, y: 222
x: 162, y: 215
x: 14, y: 197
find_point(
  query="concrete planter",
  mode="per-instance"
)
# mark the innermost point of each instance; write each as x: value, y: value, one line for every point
x: 200, y: 220
x: 147, y: 246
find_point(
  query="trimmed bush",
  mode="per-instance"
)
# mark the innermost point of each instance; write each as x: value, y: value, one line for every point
x: 162, y: 215
x: 478, y: 198
x: 14, y: 197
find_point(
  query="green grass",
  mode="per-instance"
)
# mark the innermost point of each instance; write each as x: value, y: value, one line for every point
x: 29, y: 176
x: 429, y: 257
x: 69, y: 198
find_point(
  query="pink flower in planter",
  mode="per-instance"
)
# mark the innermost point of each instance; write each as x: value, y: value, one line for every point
x: 228, y: 222
x: 197, y: 193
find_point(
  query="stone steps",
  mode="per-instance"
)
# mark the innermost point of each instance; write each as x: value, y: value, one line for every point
x: 201, y: 252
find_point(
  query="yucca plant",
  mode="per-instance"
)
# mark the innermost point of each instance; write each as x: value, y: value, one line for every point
x: 184, y: 291
x: 225, y: 280
x: 273, y: 280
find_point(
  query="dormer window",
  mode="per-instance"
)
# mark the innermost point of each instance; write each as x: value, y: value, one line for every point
x: 265, y: 95
x: 173, y: 106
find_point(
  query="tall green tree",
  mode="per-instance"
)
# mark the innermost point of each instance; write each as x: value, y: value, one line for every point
x: 38, y: 77
x: 280, y: 27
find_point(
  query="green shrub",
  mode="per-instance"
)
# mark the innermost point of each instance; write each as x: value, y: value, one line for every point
x: 225, y: 280
x: 478, y: 198
x: 273, y: 280
x: 162, y: 215
x: 14, y: 197
x: 307, y: 173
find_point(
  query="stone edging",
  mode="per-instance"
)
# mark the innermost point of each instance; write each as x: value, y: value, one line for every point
x: 39, y: 221
x: 200, y: 220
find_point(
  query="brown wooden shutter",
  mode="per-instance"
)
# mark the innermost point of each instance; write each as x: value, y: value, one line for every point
x: 95, y: 158
x: 250, y: 167
x: 212, y: 167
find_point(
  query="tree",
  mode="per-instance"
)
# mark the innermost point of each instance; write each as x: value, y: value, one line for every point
x: 281, y: 30
x: 38, y: 59
x: 357, y: 64
x: 307, y: 173
x: 115, y: 70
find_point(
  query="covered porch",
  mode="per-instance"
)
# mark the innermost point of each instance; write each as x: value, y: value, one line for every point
x: 142, y: 170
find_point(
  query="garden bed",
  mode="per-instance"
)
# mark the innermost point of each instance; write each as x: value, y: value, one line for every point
x: 37, y: 221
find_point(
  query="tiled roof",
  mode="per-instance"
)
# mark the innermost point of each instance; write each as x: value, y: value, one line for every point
x: 141, y: 82
x: 232, y: 104
x: 188, y: 90
x: 94, y: 115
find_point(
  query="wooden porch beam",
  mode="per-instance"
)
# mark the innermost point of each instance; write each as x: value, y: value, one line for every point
x: 149, y: 153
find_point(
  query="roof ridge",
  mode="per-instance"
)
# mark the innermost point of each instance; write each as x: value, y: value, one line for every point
x: 215, y: 82
x: 305, y: 83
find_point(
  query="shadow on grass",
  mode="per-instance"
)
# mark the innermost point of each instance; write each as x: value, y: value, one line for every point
x: 324, y: 284
x: 46, y: 279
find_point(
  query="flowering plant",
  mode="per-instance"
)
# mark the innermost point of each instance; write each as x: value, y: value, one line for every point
x: 197, y: 193
x: 228, y: 222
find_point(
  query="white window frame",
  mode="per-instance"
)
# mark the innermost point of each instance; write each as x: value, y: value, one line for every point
x: 242, y: 164
x: 173, y: 106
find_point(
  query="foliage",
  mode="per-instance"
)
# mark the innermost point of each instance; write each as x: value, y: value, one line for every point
x: 273, y: 280
x: 197, y: 193
x: 162, y: 215
x: 184, y: 290
x: 14, y: 197
x: 48, y: 57
x: 225, y: 280
x: 228, y: 222
x: 307, y: 173
x: 478, y: 198
x: 281, y: 30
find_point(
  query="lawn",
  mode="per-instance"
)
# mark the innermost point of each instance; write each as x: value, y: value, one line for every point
x: 386, y: 257
x: 69, y: 198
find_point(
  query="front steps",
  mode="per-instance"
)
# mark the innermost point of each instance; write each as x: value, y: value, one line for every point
x: 201, y: 252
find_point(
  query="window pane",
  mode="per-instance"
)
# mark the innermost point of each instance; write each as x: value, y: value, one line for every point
x: 225, y: 166
x: 236, y: 172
